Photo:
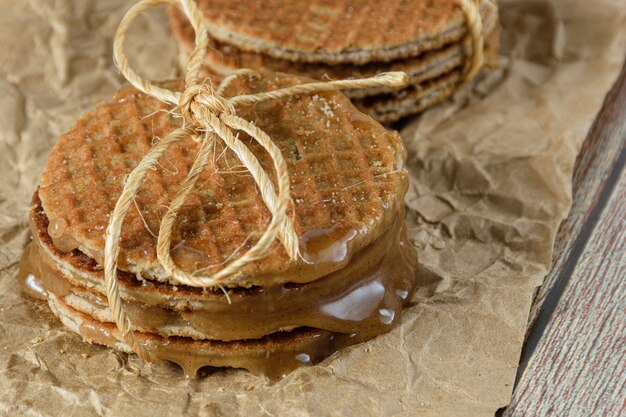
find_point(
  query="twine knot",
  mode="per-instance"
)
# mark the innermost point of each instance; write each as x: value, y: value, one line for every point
x: 198, y: 100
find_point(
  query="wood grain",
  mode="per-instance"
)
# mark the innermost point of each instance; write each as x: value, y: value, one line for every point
x: 579, y: 366
x: 574, y: 359
x: 598, y: 157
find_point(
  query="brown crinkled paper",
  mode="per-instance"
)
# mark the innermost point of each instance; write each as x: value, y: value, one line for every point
x: 490, y: 183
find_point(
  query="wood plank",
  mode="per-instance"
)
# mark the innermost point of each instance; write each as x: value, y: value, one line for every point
x: 599, y: 167
x: 597, y: 159
x: 579, y: 365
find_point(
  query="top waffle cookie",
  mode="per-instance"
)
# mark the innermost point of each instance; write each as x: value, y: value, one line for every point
x: 333, y: 32
x: 346, y: 171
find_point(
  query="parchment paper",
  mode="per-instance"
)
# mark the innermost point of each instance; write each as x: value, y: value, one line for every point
x: 490, y: 183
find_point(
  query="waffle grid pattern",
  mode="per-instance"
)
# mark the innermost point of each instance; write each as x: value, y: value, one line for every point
x: 332, y: 25
x: 343, y: 168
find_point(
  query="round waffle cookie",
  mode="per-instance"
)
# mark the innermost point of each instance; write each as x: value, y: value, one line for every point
x: 224, y: 58
x: 347, y: 183
x: 335, y: 32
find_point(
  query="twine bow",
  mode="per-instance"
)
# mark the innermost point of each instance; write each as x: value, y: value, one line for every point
x: 208, y: 116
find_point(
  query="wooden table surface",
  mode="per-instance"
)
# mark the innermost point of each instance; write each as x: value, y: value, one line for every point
x: 574, y: 359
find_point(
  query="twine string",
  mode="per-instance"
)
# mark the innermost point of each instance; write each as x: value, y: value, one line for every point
x: 474, y: 23
x: 113, y: 233
x: 207, y: 116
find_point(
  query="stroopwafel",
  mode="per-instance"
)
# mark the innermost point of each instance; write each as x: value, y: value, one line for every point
x: 347, y: 182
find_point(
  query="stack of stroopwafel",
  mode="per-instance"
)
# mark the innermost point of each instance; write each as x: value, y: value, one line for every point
x: 343, y: 39
x: 356, y: 268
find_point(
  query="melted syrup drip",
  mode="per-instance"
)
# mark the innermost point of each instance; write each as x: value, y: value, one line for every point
x: 362, y: 297
x: 327, y: 245
x: 275, y: 362
x: 58, y: 230
x: 37, y: 276
x: 377, y: 287
x: 29, y: 274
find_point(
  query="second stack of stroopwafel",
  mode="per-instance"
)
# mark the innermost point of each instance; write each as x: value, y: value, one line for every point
x: 349, y: 39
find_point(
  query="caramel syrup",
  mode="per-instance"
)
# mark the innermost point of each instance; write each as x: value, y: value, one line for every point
x: 330, y: 245
x: 30, y: 273
x: 367, y: 307
x: 278, y: 358
x: 38, y: 277
x: 58, y: 231
x: 362, y: 298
